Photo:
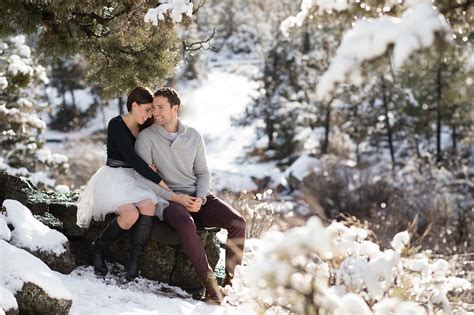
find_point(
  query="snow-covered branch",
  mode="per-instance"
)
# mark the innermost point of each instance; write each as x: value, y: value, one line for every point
x: 369, y: 39
x: 173, y: 8
x: 416, y: 29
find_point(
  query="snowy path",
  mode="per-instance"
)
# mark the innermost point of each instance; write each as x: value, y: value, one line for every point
x: 209, y: 107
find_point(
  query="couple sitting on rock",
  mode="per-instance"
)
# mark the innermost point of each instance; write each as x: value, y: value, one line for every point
x: 161, y: 171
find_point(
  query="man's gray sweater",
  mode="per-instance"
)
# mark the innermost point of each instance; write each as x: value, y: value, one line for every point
x: 181, y: 163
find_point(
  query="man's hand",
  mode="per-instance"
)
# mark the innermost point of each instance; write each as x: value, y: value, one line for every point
x: 196, y: 205
x: 186, y: 201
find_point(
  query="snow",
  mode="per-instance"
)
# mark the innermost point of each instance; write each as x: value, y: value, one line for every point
x: 30, y: 233
x: 18, y: 65
x: 210, y: 104
x: 62, y: 188
x: 400, y: 240
x: 396, y: 307
x: 353, y: 304
x: 83, y: 98
x: 3, y: 83
x: 7, y: 299
x: 303, y: 166
x: 18, y: 266
x: 306, y: 7
x: 92, y: 295
x: 174, y: 8
x: 287, y: 266
x: 5, y: 233
x: 374, y: 36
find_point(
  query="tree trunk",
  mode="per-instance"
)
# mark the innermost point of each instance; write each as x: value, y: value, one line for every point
x: 356, y: 132
x: 417, y: 148
x: 63, y: 93
x: 73, y: 98
x: 120, y: 104
x: 269, y: 130
x: 306, y: 41
x: 438, y: 114
x: 327, y: 127
x: 453, y: 137
x: 387, y: 121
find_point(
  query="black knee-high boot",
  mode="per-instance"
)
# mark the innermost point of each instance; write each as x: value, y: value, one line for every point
x: 141, y: 232
x: 112, y: 232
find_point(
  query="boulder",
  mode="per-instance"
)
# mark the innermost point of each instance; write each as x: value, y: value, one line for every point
x: 12, y: 311
x: 63, y: 263
x: 163, y: 260
x: 34, y: 300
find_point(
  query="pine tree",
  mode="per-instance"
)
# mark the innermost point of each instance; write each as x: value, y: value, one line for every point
x: 21, y: 83
x: 120, y: 48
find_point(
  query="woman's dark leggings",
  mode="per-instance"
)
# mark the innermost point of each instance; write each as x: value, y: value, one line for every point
x: 215, y: 213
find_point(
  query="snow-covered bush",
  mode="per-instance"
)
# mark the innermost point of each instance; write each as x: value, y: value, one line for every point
x: 339, y: 269
x: 259, y: 210
x: 429, y: 199
x: 21, y: 82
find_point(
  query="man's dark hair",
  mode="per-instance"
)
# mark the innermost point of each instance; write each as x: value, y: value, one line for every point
x: 170, y: 93
x: 140, y: 95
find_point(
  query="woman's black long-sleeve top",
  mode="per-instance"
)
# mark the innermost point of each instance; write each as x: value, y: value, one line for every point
x: 120, y: 148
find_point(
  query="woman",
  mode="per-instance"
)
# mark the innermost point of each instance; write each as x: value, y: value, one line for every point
x: 113, y: 188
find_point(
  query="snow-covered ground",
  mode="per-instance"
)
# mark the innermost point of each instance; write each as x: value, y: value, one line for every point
x: 92, y: 295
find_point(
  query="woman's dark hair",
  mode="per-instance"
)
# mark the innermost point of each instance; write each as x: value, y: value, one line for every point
x: 140, y: 95
x: 171, y: 94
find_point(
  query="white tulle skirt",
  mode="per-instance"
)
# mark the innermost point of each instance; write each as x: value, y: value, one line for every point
x: 108, y: 189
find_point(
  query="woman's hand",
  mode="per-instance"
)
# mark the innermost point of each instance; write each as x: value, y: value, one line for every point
x: 154, y: 168
x: 163, y: 185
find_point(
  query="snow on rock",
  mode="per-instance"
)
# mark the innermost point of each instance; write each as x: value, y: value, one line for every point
x: 18, y: 267
x: 303, y: 166
x: 62, y: 188
x: 374, y: 36
x: 174, y: 8
x: 5, y: 233
x: 7, y: 299
x: 31, y: 234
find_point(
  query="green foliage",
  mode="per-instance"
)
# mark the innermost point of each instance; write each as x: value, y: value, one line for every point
x: 121, y: 50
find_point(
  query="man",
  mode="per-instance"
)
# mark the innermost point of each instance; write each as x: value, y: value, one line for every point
x: 180, y: 155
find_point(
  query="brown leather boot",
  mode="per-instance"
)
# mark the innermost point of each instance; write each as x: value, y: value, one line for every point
x: 213, y: 293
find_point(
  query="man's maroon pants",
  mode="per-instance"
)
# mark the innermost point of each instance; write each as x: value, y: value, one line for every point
x: 215, y: 213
